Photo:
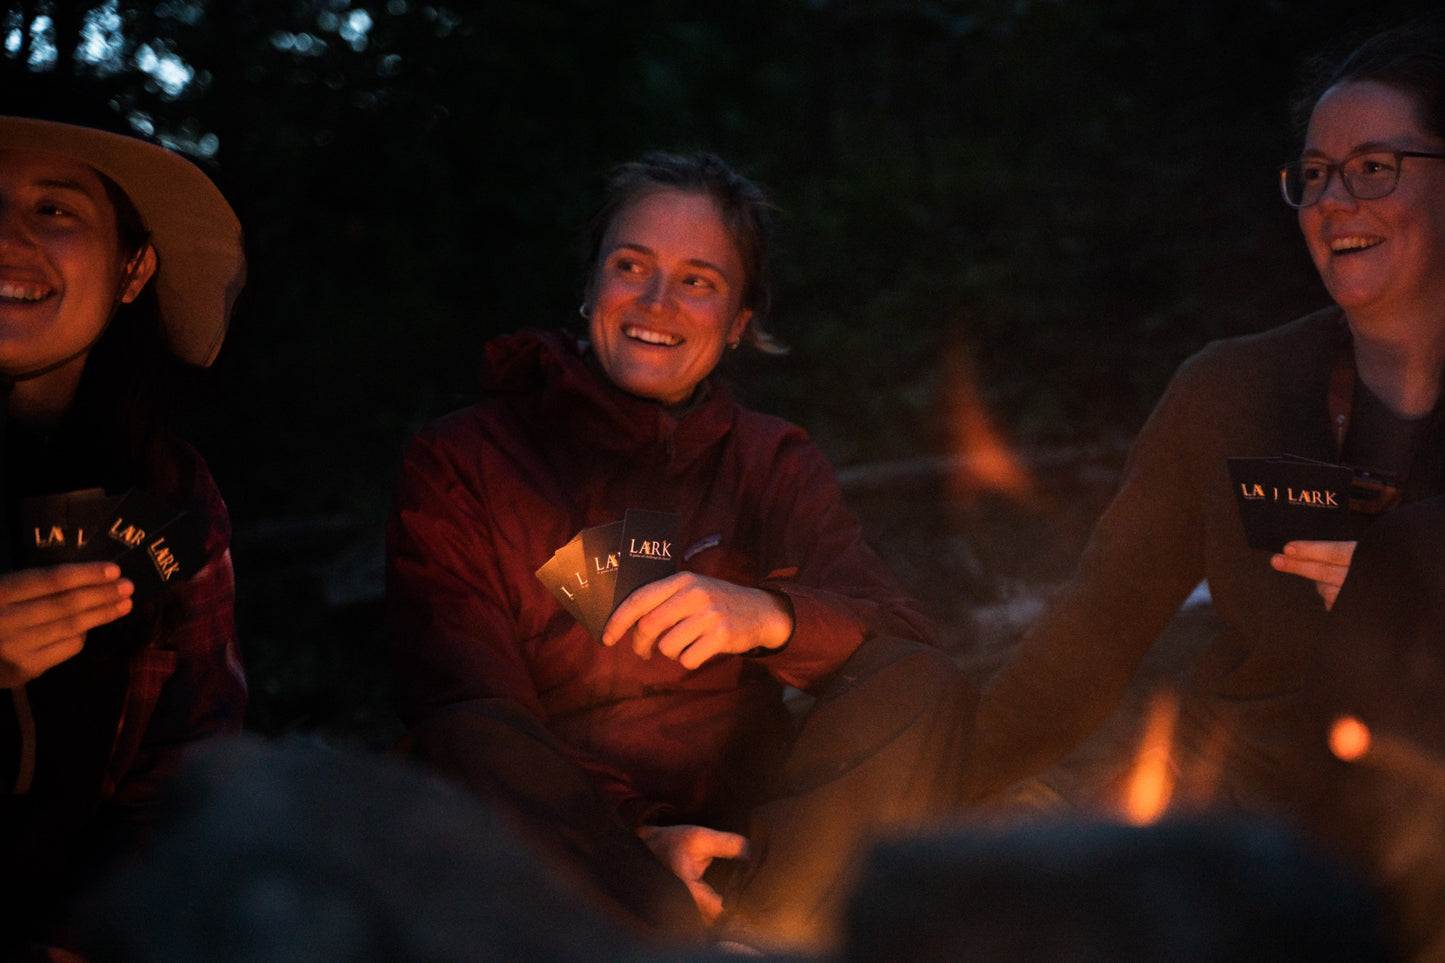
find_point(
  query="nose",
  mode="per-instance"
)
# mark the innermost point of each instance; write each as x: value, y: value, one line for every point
x: 656, y: 296
x: 12, y: 226
x: 1336, y: 194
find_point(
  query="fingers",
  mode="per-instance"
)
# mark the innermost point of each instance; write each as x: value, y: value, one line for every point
x: 638, y: 603
x: 658, y: 611
x: 721, y: 845
x: 1327, y: 562
x: 709, y: 903
x: 34, y: 583
x: 1330, y: 553
x: 45, y: 614
x: 690, y: 618
x: 68, y: 599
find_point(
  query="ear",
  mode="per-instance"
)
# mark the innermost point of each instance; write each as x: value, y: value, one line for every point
x: 739, y: 325
x: 138, y: 272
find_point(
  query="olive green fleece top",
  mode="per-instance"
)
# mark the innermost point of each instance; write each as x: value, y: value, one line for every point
x: 1173, y: 522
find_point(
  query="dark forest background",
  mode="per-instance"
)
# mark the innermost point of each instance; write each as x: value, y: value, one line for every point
x: 1043, y: 205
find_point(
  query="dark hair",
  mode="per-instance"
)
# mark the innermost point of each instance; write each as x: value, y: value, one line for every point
x: 128, y: 387
x: 1409, y: 57
x: 745, y: 210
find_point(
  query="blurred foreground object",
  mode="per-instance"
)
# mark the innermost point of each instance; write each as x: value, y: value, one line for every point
x: 1174, y: 891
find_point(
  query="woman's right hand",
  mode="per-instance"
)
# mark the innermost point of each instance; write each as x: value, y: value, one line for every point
x: 1324, y: 563
x: 46, y: 612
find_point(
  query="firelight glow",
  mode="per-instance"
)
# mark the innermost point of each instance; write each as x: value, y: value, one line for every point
x: 1151, y: 784
x: 1349, y: 738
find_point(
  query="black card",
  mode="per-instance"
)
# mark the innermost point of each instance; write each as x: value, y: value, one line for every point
x: 565, y: 575
x: 153, y: 544
x: 137, y: 518
x: 1290, y: 499
x: 166, y: 556
x: 648, y: 550
x: 601, y: 551
x: 58, y: 527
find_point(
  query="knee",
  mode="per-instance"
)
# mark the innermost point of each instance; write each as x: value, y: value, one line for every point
x: 918, y: 673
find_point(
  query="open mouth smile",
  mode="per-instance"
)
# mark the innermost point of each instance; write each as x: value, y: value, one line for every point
x: 649, y: 336
x: 28, y: 293
x: 1353, y: 244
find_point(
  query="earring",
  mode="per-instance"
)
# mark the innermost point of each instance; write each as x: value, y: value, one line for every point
x: 585, y: 311
x: 733, y: 345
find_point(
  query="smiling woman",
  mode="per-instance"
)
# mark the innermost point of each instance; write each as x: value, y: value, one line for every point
x: 65, y: 270
x: 644, y: 738
x: 117, y: 260
x: 1357, y: 384
x: 666, y: 299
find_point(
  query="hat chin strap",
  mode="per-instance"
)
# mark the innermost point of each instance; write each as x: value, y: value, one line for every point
x: 9, y: 381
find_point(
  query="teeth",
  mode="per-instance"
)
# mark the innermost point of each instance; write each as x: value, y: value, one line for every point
x: 12, y: 291
x: 1352, y: 243
x: 651, y: 337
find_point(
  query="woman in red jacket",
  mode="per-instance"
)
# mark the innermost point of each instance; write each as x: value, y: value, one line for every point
x: 641, y: 753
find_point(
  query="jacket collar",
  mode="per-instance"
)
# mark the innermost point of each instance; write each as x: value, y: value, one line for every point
x: 573, y: 400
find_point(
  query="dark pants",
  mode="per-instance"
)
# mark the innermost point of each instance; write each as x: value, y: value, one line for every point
x: 1382, y: 661
x: 882, y: 749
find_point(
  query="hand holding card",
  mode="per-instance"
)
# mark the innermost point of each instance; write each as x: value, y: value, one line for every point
x: 153, y: 543
x: 648, y: 550
x: 602, y: 565
x: 1291, y: 499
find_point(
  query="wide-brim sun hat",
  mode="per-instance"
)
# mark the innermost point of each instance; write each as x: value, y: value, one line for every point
x: 200, y: 254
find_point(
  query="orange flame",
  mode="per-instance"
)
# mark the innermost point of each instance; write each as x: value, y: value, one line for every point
x: 1151, y: 784
x: 985, y: 462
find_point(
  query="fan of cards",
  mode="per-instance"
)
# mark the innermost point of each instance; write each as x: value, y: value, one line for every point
x: 601, y: 566
x: 152, y: 543
x: 1287, y: 498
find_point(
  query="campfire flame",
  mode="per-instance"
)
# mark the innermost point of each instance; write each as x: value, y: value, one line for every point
x: 985, y: 462
x: 1151, y: 783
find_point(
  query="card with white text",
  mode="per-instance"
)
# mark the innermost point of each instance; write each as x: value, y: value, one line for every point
x: 1290, y: 499
x: 565, y: 575
x: 648, y: 550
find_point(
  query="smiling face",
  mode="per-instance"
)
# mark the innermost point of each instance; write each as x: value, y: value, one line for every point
x: 666, y: 297
x: 61, y: 264
x: 1382, y: 260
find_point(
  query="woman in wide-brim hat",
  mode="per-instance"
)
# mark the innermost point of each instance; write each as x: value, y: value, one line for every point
x: 118, y: 260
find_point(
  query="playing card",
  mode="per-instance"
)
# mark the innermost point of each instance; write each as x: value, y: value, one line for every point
x: 601, y: 550
x: 1288, y: 499
x: 57, y: 528
x: 138, y: 516
x: 565, y: 575
x: 648, y: 550
x: 166, y: 556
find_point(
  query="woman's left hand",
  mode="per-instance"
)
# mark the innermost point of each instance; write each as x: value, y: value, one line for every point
x: 691, y: 618
x: 1327, y: 563
x: 688, y: 851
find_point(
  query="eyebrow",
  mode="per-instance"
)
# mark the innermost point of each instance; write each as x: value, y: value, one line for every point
x: 1365, y: 148
x: 644, y: 249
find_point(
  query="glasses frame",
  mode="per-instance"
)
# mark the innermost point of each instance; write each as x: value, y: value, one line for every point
x: 1331, y: 168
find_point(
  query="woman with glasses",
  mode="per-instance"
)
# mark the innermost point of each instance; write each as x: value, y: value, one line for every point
x: 1356, y: 384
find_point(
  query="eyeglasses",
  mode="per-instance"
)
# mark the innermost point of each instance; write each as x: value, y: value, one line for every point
x: 1367, y: 176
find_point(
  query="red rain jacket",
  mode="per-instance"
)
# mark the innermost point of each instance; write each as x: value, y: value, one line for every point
x: 488, y: 493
